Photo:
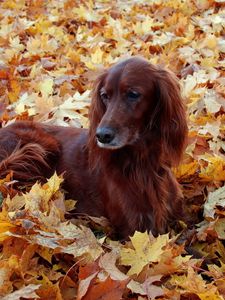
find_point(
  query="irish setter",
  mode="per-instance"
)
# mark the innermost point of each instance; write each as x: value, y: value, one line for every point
x: 121, y: 167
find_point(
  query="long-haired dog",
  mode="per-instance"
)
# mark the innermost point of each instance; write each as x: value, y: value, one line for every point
x: 121, y: 167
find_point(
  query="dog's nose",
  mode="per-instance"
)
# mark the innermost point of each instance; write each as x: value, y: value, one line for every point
x: 105, y: 135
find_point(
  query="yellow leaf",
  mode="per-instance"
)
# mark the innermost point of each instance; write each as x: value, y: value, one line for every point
x: 185, y: 170
x: 46, y: 87
x: 5, y: 226
x: 86, y: 13
x: 146, y: 249
x: 14, y: 90
x: 210, y: 295
x: 70, y: 204
x: 33, y: 46
x: 15, y: 203
x: 215, y: 169
x: 53, y: 183
x: 146, y: 26
x: 194, y: 283
x: 46, y: 253
x: 96, y: 57
x: 210, y: 42
x: 208, y: 62
x: 37, y: 199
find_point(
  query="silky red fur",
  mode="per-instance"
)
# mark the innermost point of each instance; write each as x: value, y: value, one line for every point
x: 132, y: 186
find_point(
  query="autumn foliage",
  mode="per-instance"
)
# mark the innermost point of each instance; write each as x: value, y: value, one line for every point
x: 50, y: 52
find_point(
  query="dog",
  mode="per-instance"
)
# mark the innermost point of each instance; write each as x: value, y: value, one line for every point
x: 120, y: 167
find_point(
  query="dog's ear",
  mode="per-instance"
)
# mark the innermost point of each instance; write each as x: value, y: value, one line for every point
x: 171, y: 116
x: 97, y: 108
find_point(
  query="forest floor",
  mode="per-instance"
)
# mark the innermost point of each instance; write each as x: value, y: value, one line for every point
x: 50, y: 51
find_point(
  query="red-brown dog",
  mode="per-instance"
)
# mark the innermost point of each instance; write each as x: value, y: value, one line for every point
x: 121, y: 167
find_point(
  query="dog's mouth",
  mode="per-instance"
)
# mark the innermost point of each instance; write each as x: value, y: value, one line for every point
x: 110, y: 146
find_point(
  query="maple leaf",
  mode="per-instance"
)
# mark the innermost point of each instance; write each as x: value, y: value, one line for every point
x: 147, y: 249
x: 85, y: 241
x: 194, y: 283
x: 216, y: 198
x: 69, y: 108
x: 215, y: 168
x: 37, y: 199
x: 172, y: 261
x: 15, y: 203
x: 186, y: 170
x: 46, y: 87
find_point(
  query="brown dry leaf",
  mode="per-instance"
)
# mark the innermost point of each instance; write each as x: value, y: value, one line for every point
x: 49, y: 290
x: 220, y: 228
x: 84, y: 285
x: 105, y: 290
x: 7, y: 268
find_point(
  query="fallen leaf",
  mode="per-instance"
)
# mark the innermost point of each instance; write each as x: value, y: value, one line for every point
x: 147, y: 249
x: 216, y: 198
x: 27, y: 292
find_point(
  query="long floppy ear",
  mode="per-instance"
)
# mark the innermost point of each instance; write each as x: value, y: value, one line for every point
x: 97, y: 108
x: 171, y: 116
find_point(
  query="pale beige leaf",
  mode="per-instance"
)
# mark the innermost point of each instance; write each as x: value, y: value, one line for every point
x: 27, y: 292
x: 216, y: 198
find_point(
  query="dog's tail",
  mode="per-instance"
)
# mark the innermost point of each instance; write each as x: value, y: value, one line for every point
x: 26, y: 163
x: 28, y: 153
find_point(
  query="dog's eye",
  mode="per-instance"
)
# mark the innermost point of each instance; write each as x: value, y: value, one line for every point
x: 104, y: 96
x: 133, y: 96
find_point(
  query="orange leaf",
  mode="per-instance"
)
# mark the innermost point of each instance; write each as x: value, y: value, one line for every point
x: 106, y: 290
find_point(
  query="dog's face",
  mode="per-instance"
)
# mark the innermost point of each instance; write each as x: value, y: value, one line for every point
x: 127, y: 94
x: 134, y: 102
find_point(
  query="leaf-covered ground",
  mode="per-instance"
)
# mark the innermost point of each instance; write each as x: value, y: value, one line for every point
x: 49, y: 54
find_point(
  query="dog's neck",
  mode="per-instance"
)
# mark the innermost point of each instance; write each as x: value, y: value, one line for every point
x: 127, y: 160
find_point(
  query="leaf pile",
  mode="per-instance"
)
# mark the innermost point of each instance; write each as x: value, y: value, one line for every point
x: 50, y: 53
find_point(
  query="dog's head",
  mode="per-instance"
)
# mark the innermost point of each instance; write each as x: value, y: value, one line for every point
x: 134, y: 101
